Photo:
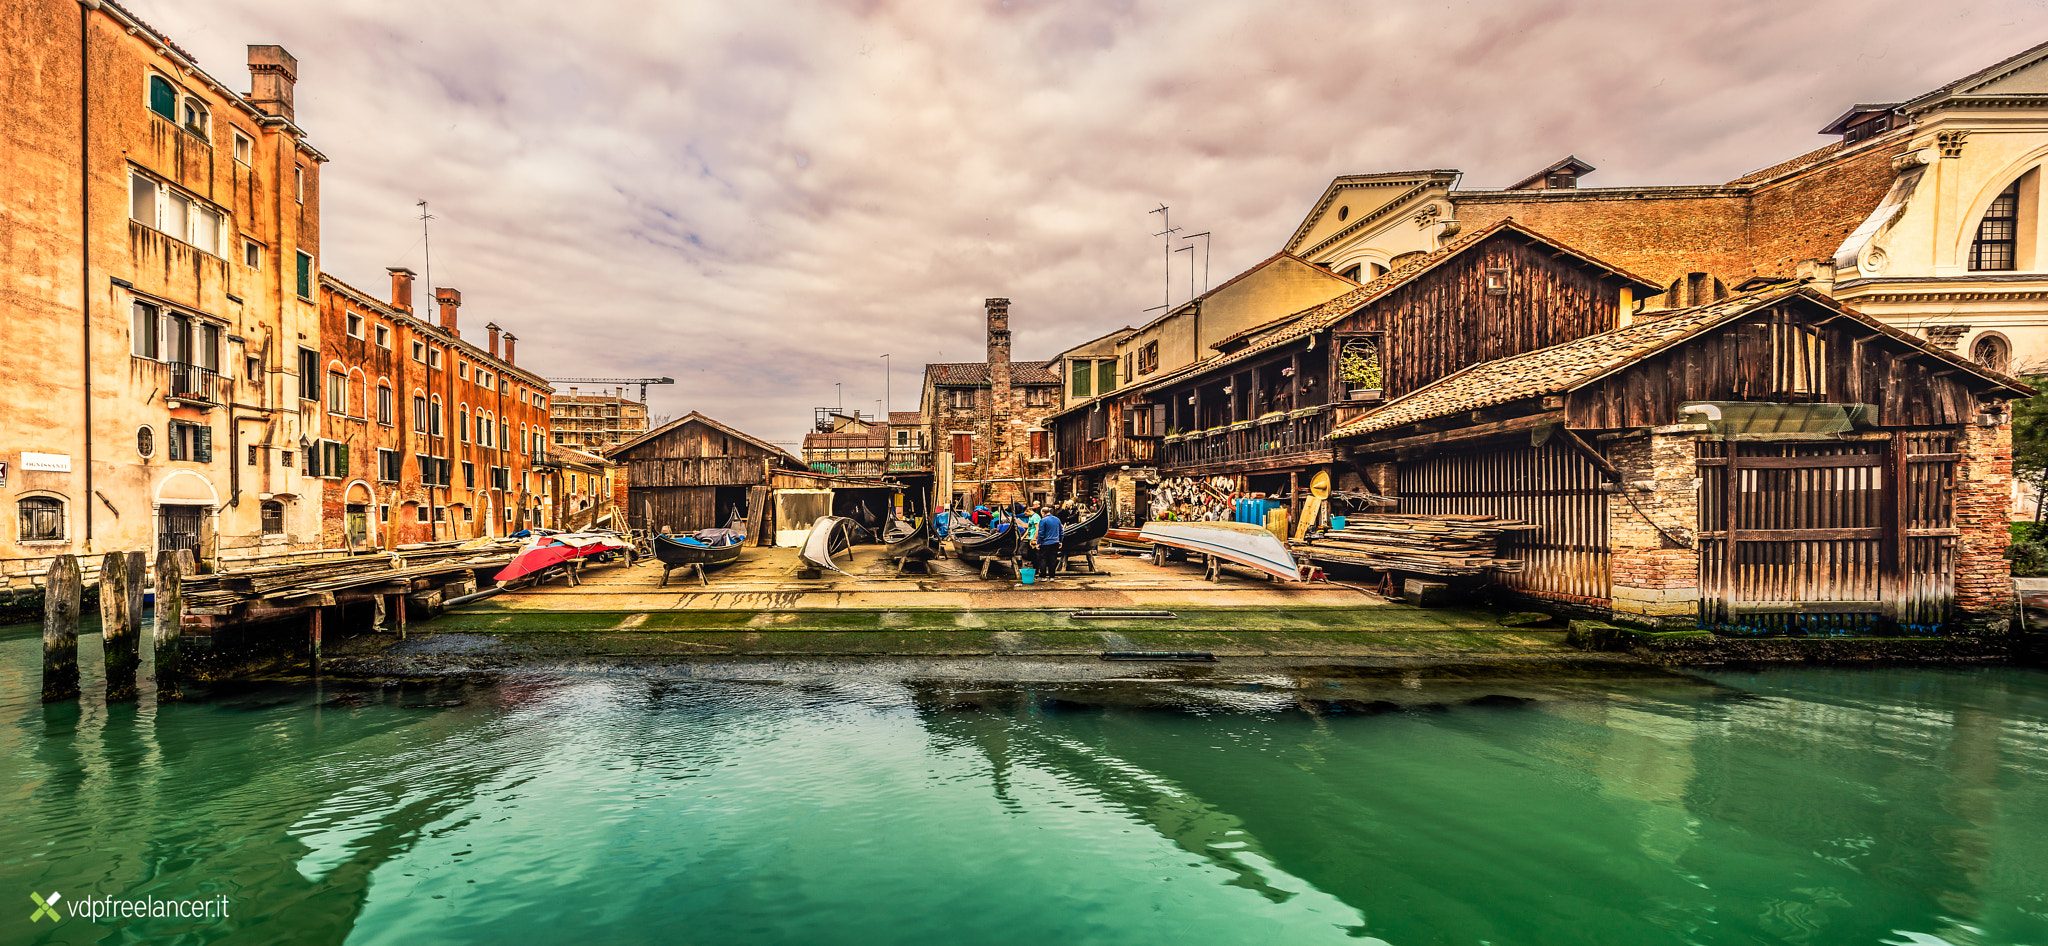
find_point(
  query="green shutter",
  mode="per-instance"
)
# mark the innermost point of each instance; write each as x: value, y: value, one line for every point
x: 1105, y: 380
x: 305, y: 276
x: 202, y: 444
x: 177, y: 441
x: 1081, y: 377
x: 340, y: 460
x: 163, y: 100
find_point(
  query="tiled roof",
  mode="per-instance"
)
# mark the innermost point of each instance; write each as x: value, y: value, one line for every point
x: 905, y: 418
x: 695, y: 417
x: 1576, y: 363
x: 1317, y: 318
x: 1815, y: 156
x: 976, y: 372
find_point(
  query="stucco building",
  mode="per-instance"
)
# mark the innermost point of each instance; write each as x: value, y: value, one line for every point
x: 597, y: 421
x: 157, y: 294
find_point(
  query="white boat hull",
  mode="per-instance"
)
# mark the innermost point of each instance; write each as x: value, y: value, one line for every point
x: 1238, y: 543
x: 817, y: 550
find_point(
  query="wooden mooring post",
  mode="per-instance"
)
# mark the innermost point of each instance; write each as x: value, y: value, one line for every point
x: 121, y: 577
x: 317, y: 612
x: 170, y: 624
x: 62, y: 589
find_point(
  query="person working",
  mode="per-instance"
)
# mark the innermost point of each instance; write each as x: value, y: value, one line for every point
x: 1050, y: 534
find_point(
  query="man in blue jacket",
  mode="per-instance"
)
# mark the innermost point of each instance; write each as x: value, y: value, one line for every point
x: 1050, y: 532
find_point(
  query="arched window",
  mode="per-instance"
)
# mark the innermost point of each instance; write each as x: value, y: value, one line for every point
x: 1694, y: 289
x: 419, y: 414
x: 1998, y: 233
x: 1991, y: 351
x: 196, y: 119
x: 163, y: 99
x: 383, y: 403
x: 42, y: 519
x: 462, y: 422
x: 273, y: 517
x: 434, y: 417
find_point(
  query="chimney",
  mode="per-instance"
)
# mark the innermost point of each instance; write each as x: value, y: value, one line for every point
x: 401, y: 288
x: 510, y: 340
x: 493, y: 327
x: 450, y: 300
x: 998, y: 331
x: 572, y: 393
x: 272, y: 73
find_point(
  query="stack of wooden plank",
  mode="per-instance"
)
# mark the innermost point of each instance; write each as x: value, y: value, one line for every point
x: 221, y: 591
x: 1429, y: 545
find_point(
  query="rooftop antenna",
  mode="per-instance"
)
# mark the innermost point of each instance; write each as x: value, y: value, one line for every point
x: 1191, y: 268
x: 1166, y: 221
x: 424, y: 217
x: 1205, y: 259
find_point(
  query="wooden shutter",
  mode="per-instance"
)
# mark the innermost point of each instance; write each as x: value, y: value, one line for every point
x: 963, y: 448
x: 163, y: 100
x: 202, y: 444
x: 1105, y: 375
x: 177, y: 439
x: 1038, y: 443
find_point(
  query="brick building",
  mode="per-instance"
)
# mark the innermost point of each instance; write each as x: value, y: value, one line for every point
x: 427, y: 436
x: 597, y: 421
x: 986, y: 422
x: 156, y: 283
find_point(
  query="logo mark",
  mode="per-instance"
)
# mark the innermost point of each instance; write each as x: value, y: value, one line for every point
x: 45, y: 907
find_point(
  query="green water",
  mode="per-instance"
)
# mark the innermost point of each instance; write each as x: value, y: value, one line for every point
x: 685, y: 805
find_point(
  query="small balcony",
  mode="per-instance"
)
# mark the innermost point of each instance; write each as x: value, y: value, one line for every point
x: 1268, y: 441
x: 191, y: 384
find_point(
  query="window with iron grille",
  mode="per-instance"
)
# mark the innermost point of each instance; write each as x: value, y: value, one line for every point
x: 42, y: 519
x: 273, y: 517
x: 1998, y: 233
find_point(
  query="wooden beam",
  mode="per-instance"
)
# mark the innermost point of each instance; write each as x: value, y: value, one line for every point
x: 1460, y: 434
x: 1579, y: 445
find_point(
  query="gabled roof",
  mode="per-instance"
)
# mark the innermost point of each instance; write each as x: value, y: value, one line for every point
x: 1577, y: 363
x: 1981, y: 77
x: 772, y: 449
x: 976, y: 372
x: 1570, y: 163
x: 1240, y: 277
x: 1414, y: 179
x: 1312, y: 320
x: 1841, y: 123
x: 1118, y: 334
x: 1782, y: 168
x: 905, y: 418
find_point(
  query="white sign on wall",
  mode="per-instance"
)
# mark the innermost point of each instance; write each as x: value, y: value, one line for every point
x: 46, y: 462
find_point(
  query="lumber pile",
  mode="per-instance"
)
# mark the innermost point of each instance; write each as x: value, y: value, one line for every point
x: 218, y: 592
x: 1429, y: 545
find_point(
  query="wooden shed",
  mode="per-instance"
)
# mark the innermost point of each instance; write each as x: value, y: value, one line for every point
x: 1772, y: 463
x: 694, y: 473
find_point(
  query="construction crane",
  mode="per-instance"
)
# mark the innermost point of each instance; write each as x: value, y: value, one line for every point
x: 642, y: 382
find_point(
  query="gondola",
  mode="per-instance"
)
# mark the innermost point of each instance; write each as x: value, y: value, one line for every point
x: 829, y: 536
x: 1078, y: 539
x: 699, y: 550
x: 909, y: 542
x: 976, y: 544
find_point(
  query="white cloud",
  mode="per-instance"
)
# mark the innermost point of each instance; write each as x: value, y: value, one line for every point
x: 760, y: 199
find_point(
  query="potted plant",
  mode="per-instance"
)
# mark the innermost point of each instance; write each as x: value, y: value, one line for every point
x: 1358, y: 364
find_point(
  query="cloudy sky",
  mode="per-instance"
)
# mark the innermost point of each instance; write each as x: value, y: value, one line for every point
x: 761, y: 199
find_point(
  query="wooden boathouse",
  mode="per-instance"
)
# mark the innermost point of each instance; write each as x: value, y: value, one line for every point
x: 694, y: 473
x: 1772, y: 463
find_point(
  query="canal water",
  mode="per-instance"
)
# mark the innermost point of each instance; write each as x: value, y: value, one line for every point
x: 784, y: 804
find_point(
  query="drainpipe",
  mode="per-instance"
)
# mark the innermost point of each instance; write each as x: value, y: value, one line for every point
x: 85, y: 8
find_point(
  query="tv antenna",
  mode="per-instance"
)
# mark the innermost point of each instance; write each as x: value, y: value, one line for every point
x: 428, y: 245
x: 1166, y: 221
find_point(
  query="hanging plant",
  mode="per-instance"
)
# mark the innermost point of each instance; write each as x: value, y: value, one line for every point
x: 1358, y: 363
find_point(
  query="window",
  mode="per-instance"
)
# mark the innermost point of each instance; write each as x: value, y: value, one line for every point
x: 1998, y: 233
x: 144, y: 330
x: 1798, y: 361
x: 468, y: 514
x: 189, y: 441
x: 337, y: 393
x: 1083, y: 378
x: 355, y: 325
x: 145, y: 441
x: 332, y: 459
x: 504, y: 434
x: 142, y: 200
x: 468, y: 475
x: 504, y: 386
x: 273, y: 517
x: 434, y: 418
x: 383, y: 336
x: 305, y: 280
x: 421, y: 512
x: 1358, y: 365
x: 419, y: 413
x: 1354, y: 272
x: 1038, y: 396
x: 462, y: 423
x: 1563, y: 180
x: 483, y: 427
x: 242, y: 147
x: 255, y: 366
x: 299, y: 183
x: 286, y: 458
x: 384, y: 404
x: 419, y: 351
x: 903, y: 438
x: 433, y: 358
x: 175, y: 214
x: 433, y: 470
x: 501, y: 478
x: 1992, y: 352
x: 42, y: 519
x: 252, y: 254
x: 1148, y: 358
x: 1038, y: 445
x: 1105, y: 376
x: 1098, y: 423
x: 197, y: 120
x: 960, y: 399
x: 389, y: 466
x: 253, y: 450
x: 163, y: 99
x: 440, y: 514
x: 1145, y: 420
x: 963, y: 448
x: 462, y: 370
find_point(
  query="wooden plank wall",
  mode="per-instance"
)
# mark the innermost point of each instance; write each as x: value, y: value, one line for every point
x: 1548, y: 485
x: 1762, y: 358
x: 700, y: 471
x: 676, y: 509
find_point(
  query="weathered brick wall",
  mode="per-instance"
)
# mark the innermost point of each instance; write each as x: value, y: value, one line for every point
x: 1655, y: 571
x: 1984, y: 590
x: 1808, y: 216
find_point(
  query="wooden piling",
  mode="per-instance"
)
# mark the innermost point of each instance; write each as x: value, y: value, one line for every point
x: 317, y: 612
x: 119, y: 625
x: 170, y: 624
x: 62, y: 590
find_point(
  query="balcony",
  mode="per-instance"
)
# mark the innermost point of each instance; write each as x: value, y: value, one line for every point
x: 1275, y: 440
x: 1086, y: 454
x: 192, y: 384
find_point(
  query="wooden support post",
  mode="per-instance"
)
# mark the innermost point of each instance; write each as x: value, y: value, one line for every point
x: 170, y: 625
x: 317, y: 613
x: 62, y: 589
x: 119, y: 625
x: 701, y: 580
x: 398, y: 609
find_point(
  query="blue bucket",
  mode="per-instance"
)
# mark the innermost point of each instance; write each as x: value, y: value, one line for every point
x: 1027, y: 575
x: 1336, y: 522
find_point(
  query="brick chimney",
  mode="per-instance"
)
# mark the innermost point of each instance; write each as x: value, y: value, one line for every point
x: 272, y: 74
x: 998, y: 331
x: 510, y: 341
x: 493, y: 327
x: 401, y: 288
x: 450, y: 300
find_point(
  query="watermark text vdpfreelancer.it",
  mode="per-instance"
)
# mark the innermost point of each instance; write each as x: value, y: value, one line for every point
x: 110, y: 907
